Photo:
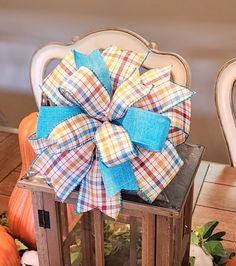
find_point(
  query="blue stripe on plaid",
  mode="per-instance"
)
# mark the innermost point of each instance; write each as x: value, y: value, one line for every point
x: 73, y: 133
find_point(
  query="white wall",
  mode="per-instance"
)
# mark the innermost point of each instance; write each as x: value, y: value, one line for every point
x: 203, y: 32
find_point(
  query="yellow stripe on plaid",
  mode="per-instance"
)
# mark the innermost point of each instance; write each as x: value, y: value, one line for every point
x: 180, y: 122
x: 66, y: 170
x: 121, y: 64
x: 164, y: 97
x: 92, y: 194
x: 114, y: 144
x: 61, y: 73
x: 39, y: 145
x: 156, y: 76
x: 126, y: 95
x: 154, y: 171
x: 84, y: 89
x: 73, y: 133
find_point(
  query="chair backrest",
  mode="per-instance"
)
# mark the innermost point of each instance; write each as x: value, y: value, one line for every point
x: 224, y: 104
x: 101, y: 39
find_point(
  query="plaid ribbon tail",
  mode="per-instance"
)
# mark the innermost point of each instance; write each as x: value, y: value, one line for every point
x: 92, y: 194
x: 154, y: 171
x: 64, y: 171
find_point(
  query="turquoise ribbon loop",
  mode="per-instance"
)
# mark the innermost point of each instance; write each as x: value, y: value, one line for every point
x: 146, y: 129
x: 51, y: 116
x: 97, y: 65
x: 118, y: 177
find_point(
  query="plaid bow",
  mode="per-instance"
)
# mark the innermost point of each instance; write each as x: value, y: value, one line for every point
x: 109, y: 128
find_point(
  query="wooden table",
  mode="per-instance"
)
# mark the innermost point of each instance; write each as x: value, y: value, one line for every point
x: 166, y: 224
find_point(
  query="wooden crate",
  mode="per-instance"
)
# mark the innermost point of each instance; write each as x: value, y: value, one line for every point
x: 166, y: 224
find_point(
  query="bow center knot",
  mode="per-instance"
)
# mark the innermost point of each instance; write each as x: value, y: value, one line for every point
x: 114, y: 144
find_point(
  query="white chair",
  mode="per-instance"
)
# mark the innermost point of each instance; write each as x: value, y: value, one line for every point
x: 224, y: 104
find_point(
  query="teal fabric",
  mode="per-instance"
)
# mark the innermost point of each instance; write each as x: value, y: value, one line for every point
x: 146, y: 129
x: 50, y: 116
x: 97, y: 65
x: 117, y: 178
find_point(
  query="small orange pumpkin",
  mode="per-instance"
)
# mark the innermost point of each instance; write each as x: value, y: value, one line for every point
x: 9, y: 255
x: 20, y: 213
x: 232, y: 262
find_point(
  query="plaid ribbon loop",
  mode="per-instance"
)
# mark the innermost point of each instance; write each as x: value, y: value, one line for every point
x: 110, y: 128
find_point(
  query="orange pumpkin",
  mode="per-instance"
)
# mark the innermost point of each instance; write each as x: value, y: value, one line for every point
x: 232, y: 262
x: 9, y: 255
x: 20, y: 214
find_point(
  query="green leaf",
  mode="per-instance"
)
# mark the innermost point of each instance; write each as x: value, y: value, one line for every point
x: 194, y: 238
x: 200, y: 230
x: 215, y: 248
x: 20, y: 245
x: 75, y: 258
x: 209, y: 228
x: 192, y: 261
x: 217, y: 236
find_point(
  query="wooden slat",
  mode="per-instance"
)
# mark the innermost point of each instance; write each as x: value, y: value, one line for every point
x: 54, y: 238
x: 9, y: 155
x: 164, y: 241
x: 221, y: 174
x: 186, y: 234
x: 3, y: 203
x: 133, y: 240
x: 8, y: 183
x: 148, y: 239
x: 99, y: 238
x: 86, y: 239
x: 218, y: 196
x: 41, y: 235
x: 227, y: 220
x: 3, y: 136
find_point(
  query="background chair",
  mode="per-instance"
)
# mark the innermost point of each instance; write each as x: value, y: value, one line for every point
x: 224, y: 104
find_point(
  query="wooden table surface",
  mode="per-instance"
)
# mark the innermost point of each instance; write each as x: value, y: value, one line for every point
x: 215, y: 197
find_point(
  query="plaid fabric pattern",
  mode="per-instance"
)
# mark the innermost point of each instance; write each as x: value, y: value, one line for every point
x: 70, y: 155
x: 61, y: 73
x: 126, y: 95
x: 92, y: 194
x: 164, y: 97
x: 154, y: 171
x: 66, y: 170
x: 180, y: 122
x: 73, y: 133
x: 156, y: 76
x: 114, y: 144
x: 121, y: 64
x: 39, y: 145
x: 84, y: 89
